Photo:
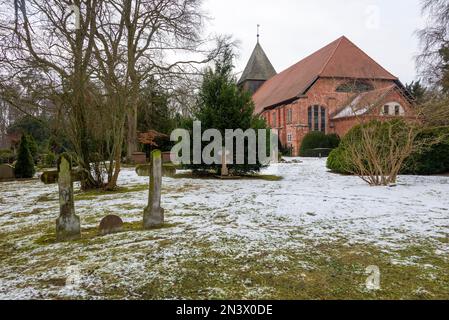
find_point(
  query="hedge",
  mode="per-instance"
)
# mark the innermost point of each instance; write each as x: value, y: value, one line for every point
x: 316, y: 144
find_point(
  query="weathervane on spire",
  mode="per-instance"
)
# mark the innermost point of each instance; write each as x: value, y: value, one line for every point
x: 258, y: 33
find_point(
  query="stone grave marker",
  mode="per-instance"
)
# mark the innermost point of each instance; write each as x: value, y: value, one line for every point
x: 6, y: 172
x: 110, y: 224
x: 153, y: 214
x: 68, y: 226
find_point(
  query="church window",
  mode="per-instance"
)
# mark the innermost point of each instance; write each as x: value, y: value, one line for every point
x: 323, y: 119
x: 289, y: 116
x: 310, y: 117
x: 274, y: 120
x: 317, y: 118
x: 356, y: 86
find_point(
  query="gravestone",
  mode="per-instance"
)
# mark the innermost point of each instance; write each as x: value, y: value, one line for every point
x: 168, y: 170
x: 68, y: 226
x: 110, y: 224
x: 6, y: 172
x: 153, y: 214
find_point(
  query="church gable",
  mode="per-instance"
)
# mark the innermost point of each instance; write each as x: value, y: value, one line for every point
x: 339, y: 59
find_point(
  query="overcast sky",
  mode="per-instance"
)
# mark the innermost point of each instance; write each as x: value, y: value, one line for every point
x: 292, y: 29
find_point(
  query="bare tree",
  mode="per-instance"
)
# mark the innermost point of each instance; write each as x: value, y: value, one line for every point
x: 93, y: 70
x: 139, y: 41
x: 434, y: 59
x: 38, y: 36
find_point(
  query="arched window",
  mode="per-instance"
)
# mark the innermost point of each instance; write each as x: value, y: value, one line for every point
x: 317, y: 119
x: 356, y: 86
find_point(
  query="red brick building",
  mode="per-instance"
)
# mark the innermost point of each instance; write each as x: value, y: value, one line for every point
x: 329, y: 91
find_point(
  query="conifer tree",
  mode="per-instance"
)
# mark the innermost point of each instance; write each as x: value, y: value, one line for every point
x: 223, y: 105
x: 25, y: 164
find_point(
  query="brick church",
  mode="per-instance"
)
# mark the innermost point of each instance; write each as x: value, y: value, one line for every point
x: 328, y: 91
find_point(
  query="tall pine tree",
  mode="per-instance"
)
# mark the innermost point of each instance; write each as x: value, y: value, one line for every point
x: 223, y: 105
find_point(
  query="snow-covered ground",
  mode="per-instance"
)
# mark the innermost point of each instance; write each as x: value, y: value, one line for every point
x: 309, y: 204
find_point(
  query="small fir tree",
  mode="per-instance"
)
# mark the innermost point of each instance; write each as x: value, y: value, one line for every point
x: 25, y: 164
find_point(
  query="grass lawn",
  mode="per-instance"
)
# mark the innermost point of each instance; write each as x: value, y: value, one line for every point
x: 311, y: 235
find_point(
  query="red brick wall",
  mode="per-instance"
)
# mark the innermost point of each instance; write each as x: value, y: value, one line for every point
x: 322, y: 93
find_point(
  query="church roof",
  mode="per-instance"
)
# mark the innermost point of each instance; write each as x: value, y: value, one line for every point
x: 259, y: 66
x: 364, y: 102
x: 339, y: 59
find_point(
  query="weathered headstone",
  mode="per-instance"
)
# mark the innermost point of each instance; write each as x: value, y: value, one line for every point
x: 153, y: 214
x: 6, y: 172
x: 144, y: 170
x: 110, y: 224
x: 51, y: 177
x: 68, y: 226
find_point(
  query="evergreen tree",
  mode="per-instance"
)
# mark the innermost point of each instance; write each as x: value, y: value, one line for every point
x: 222, y: 105
x: 25, y: 164
x: 34, y: 149
x: 417, y: 90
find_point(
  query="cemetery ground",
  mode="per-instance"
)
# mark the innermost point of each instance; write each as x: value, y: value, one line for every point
x: 310, y: 235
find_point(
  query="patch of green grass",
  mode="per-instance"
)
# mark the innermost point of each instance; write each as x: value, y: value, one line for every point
x: 329, y: 270
x: 91, y: 235
x: 47, y: 198
x: 93, y: 194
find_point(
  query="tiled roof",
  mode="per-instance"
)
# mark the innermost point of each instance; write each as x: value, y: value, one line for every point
x: 259, y: 66
x: 339, y: 59
x: 363, y: 103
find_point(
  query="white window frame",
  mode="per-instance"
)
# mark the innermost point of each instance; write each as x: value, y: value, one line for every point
x: 392, y: 109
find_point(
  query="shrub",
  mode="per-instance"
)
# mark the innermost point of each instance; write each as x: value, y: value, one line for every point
x: 355, y: 143
x: 50, y: 160
x: 333, y: 140
x: 337, y: 161
x: 316, y: 143
x: 433, y: 160
x: 25, y: 164
x: 7, y: 156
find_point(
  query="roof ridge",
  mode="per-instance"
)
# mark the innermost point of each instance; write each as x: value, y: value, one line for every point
x: 307, y: 57
x: 331, y: 55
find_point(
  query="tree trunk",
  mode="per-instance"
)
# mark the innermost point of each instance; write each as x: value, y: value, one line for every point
x: 132, y: 132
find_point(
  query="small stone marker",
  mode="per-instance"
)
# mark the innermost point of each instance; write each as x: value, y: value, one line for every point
x: 224, y: 164
x: 68, y: 226
x: 110, y: 224
x: 6, y: 172
x: 153, y: 215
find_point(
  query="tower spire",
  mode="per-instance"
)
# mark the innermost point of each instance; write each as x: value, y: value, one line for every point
x: 258, y: 33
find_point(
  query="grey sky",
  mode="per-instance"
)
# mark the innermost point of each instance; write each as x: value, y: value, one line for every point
x: 293, y: 29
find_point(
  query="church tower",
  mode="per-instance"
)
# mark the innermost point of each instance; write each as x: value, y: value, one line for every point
x: 258, y: 70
